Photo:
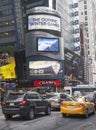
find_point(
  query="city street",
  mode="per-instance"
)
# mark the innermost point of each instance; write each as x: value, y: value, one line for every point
x: 53, y: 122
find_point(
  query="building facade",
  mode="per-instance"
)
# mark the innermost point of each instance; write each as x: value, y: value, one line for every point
x: 25, y: 39
x: 87, y: 15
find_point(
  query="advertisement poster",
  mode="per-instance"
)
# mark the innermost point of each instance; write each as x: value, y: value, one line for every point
x: 73, y: 66
x: 7, y: 63
x: 44, y: 21
x: 45, y: 68
x: 48, y: 44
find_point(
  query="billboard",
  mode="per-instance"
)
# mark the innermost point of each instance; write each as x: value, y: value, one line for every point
x: 46, y: 83
x: 45, y: 68
x: 7, y: 63
x: 74, y: 66
x: 47, y: 44
x: 44, y: 22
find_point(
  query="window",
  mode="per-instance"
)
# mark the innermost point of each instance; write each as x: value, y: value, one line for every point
x: 75, y: 5
x: 88, y: 52
x: 5, y: 12
x: 76, y: 30
x: 85, y: 2
x: 76, y: 13
x: 76, y: 21
x: 54, y: 4
x: 63, y: 96
x: 7, y: 23
x: 68, y: 99
x: 86, y: 18
x: 85, y: 12
x: 77, y: 39
x: 86, y: 23
x: 86, y: 29
x: 85, y: 6
x: 32, y: 96
x: 87, y: 35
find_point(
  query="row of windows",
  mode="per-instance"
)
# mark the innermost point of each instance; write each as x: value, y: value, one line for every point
x: 7, y: 34
x: 3, y: 1
x: 6, y: 12
x: 6, y: 23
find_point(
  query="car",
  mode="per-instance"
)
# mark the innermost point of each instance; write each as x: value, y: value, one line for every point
x: 26, y: 104
x: 55, y: 98
x: 91, y: 96
x: 79, y: 106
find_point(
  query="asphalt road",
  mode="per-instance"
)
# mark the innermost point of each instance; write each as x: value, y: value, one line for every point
x: 55, y: 121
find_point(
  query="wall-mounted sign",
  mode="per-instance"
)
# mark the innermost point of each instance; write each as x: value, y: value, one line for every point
x: 7, y: 63
x: 46, y: 83
x: 44, y: 21
x: 47, y: 44
x: 73, y: 66
x: 45, y: 68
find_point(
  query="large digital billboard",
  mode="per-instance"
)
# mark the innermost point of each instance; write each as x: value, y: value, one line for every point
x: 7, y: 63
x: 47, y: 44
x: 44, y: 21
x: 45, y: 68
x: 73, y: 65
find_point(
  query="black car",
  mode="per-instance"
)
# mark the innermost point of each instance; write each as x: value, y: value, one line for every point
x: 26, y: 104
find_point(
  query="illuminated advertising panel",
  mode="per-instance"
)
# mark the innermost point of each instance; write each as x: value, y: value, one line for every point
x: 7, y: 63
x: 46, y: 83
x: 73, y: 66
x: 44, y: 21
x: 47, y: 44
x: 45, y: 68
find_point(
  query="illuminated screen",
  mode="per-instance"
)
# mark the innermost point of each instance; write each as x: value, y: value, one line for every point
x: 45, y: 68
x: 48, y: 44
x: 7, y: 63
x: 44, y: 21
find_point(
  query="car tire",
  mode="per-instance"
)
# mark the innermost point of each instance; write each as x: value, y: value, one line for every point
x: 86, y: 114
x: 63, y: 115
x: 48, y: 110
x: 93, y: 111
x: 31, y: 114
x: 67, y: 115
x: 8, y: 117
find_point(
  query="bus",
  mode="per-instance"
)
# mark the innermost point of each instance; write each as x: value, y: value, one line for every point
x: 79, y: 89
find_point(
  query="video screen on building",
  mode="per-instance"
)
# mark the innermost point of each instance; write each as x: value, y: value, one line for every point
x: 47, y: 44
x: 45, y: 68
x: 7, y: 63
x: 44, y: 22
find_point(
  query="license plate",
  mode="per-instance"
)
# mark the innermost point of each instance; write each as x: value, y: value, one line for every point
x: 11, y: 104
x: 70, y: 106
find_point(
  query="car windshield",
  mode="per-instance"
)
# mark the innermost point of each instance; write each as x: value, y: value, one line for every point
x: 80, y: 99
x: 51, y: 95
x: 14, y: 96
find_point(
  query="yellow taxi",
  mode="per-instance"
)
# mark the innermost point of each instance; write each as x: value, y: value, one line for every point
x: 79, y: 106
